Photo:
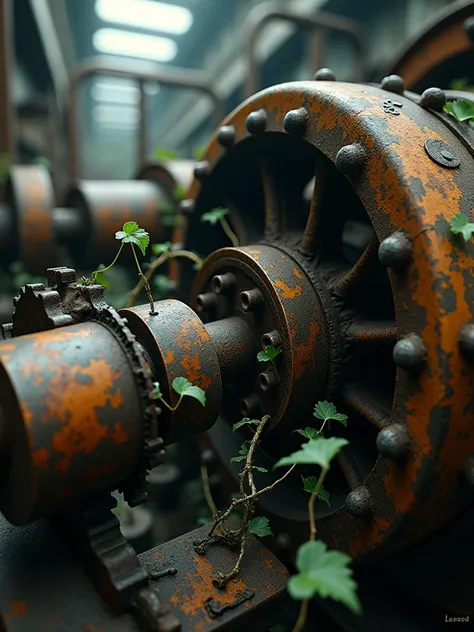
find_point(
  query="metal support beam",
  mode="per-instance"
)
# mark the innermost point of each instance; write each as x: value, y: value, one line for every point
x: 7, y: 125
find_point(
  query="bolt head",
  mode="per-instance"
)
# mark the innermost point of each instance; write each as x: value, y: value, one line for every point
x: 324, y: 74
x: 395, y: 251
x: 296, y: 121
x: 350, y: 160
x: 257, y: 121
x: 393, y: 442
x: 208, y: 457
x: 466, y: 341
x: 409, y: 353
x: 359, y: 503
x: 393, y: 83
x: 187, y: 207
x: 433, y: 99
x: 201, y: 170
x: 226, y: 135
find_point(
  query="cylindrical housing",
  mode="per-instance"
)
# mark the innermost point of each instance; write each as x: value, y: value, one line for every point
x: 235, y: 346
x: 74, y: 418
x: 178, y: 345
x: 105, y: 207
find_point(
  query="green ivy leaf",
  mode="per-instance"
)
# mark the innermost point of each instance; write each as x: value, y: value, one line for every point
x: 269, y: 354
x: 327, y: 410
x: 310, y: 484
x: 183, y: 387
x: 179, y: 192
x: 199, y: 152
x: 320, y: 452
x: 131, y: 233
x: 243, y: 452
x: 197, y: 266
x: 214, y: 216
x: 164, y: 154
x: 245, y: 422
x: 310, y: 433
x: 237, y: 459
x: 460, y: 226
x: 324, y: 573
x: 260, y: 527
x: 260, y: 469
x: 460, y: 109
x: 159, y: 249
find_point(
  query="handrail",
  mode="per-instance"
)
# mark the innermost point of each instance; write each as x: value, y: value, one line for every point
x: 183, y: 78
x: 322, y: 21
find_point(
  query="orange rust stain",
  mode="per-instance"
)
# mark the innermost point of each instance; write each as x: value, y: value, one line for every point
x: 198, y: 589
x: 297, y: 273
x: 304, y: 357
x: 120, y: 436
x: 5, y: 347
x: 40, y: 458
x: 26, y: 413
x: 287, y: 292
x: 169, y: 356
x: 38, y: 380
x: 18, y: 608
x: 58, y: 335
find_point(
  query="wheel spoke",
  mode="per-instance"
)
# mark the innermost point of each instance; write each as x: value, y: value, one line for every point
x: 360, y: 273
x: 349, y: 470
x: 369, y: 332
x: 308, y: 243
x: 368, y: 407
x: 273, y: 204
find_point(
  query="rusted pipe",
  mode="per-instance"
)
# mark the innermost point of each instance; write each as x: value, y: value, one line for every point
x: 183, y: 78
x: 7, y: 123
x: 268, y: 12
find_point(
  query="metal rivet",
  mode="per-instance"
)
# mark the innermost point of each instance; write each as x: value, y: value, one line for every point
x: 296, y: 121
x: 393, y: 442
x: 201, y: 170
x: 223, y: 283
x: 271, y: 339
x: 208, y: 457
x: 359, y: 503
x: 251, y: 300
x: 433, y: 99
x: 466, y: 341
x: 251, y: 406
x: 257, y: 121
x: 268, y: 379
x: 206, y: 302
x: 469, y: 28
x: 395, y: 251
x: 442, y: 154
x: 324, y: 74
x: 468, y: 469
x: 351, y: 159
x: 393, y: 83
x: 226, y: 135
x: 187, y: 207
x: 409, y: 353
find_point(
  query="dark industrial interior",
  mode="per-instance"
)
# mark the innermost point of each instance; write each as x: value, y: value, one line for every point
x: 236, y: 315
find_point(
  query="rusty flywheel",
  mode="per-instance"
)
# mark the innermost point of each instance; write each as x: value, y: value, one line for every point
x: 364, y: 287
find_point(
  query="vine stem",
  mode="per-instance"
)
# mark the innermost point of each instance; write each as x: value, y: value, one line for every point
x: 132, y: 295
x: 96, y: 272
x: 145, y: 282
x: 303, y: 614
x: 168, y: 406
x: 207, y: 491
x: 229, y: 232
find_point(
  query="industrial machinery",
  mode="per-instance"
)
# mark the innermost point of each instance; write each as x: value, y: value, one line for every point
x: 383, y: 327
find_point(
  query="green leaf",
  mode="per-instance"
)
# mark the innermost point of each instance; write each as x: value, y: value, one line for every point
x: 164, y: 154
x: 237, y: 459
x: 159, y: 249
x: 101, y: 279
x: 327, y: 410
x: 310, y: 433
x: 183, y: 387
x: 179, y: 192
x: 199, y: 152
x: 133, y: 234
x: 310, y: 486
x: 260, y: 527
x: 214, y: 216
x: 130, y: 227
x: 269, y: 354
x: 260, y: 469
x: 323, y: 494
x: 157, y: 390
x: 324, y: 573
x: 243, y: 451
x: 245, y: 422
x: 320, y: 452
x: 197, y: 266
x: 460, y: 226
x: 460, y: 109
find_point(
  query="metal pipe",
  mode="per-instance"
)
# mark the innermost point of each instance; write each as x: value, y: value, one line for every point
x: 268, y: 12
x: 183, y: 78
x: 7, y: 118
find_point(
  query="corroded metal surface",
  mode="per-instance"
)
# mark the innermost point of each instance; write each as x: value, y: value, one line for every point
x: 446, y: 37
x: 382, y: 162
x: 178, y: 345
x: 29, y: 194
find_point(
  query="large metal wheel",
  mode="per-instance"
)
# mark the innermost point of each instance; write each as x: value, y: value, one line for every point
x: 373, y: 327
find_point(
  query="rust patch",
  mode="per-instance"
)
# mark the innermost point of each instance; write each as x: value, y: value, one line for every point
x: 287, y: 292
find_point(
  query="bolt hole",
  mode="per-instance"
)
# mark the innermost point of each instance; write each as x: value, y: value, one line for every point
x: 264, y: 381
x: 245, y: 301
x: 217, y: 284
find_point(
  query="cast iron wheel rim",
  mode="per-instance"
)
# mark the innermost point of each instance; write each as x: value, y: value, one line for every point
x: 407, y: 197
